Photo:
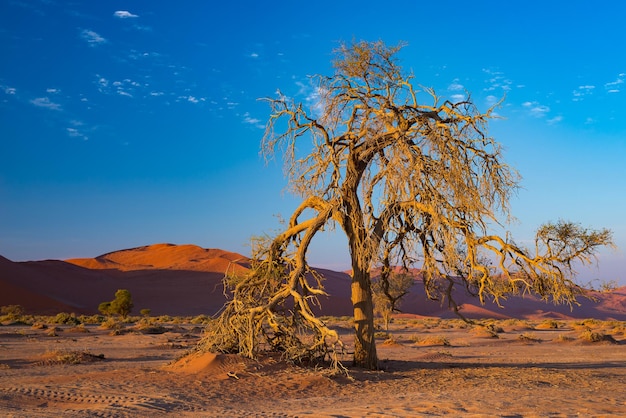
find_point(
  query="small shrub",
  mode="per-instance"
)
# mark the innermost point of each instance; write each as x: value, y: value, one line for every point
x: 382, y: 335
x: 11, y: 312
x: 430, y: 340
x: 201, y: 319
x: 65, y: 318
x: 563, y: 339
x: 548, y: 324
x: 595, y: 337
x: 69, y: 357
x: 111, y: 324
x: 529, y: 337
x: 484, y: 331
x: 145, y: 312
x: 78, y: 328
x: 91, y: 319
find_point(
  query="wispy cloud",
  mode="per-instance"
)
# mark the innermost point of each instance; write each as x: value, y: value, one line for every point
x: 497, y: 81
x: 53, y: 91
x: 124, y: 14
x: 191, y: 99
x: 9, y: 90
x: 75, y: 133
x: 455, y: 86
x: 92, y: 38
x: 582, y: 91
x: 615, y: 86
x: 555, y: 120
x: 46, y: 103
x: 252, y: 121
x: 535, y: 109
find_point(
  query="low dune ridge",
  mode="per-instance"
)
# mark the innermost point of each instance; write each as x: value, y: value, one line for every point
x: 186, y: 280
x: 165, y: 257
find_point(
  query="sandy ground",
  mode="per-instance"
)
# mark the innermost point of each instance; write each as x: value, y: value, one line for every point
x: 432, y: 368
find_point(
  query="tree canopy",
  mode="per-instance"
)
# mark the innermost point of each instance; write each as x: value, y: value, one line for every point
x: 412, y: 179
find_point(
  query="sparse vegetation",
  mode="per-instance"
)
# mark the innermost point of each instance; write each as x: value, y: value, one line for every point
x: 69, y: 357
x: 430, y: 340
x: 66, y: 319
x: 595, y: 337
x: 11, y: 312
x: 548, y: 324
x: 529, y: 337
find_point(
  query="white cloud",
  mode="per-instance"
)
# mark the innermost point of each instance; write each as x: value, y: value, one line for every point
x: 9, y: 90
x: 614, y: 86
x: 455, y: 86
x: 124, y: 14
x: 53, y: 91
x: 456, y: 98
x: 254, y: 55
x: 497, y: 80
x: 582, y: 91
x: 45, y: 102
x: 92, y: 37
x: 75, y: 133
x: 555, y: 120
x: 252, y: 121
x: 535, y: 109
x: 491, y: 100
x: 192, y: 99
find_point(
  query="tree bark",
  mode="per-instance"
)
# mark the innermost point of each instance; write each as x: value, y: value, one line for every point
x: 364, y: 342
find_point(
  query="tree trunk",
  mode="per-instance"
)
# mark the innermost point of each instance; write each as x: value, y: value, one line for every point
x: 364, y: 342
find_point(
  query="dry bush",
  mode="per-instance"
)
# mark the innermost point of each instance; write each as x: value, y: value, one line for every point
x: 548, y: 324
x: 430, y: 340
x: 529, y: 337
x: 484, y: 332
x: 563, y: 339
x: 69, y: 357
x: 79, y: 328
x: 596, y: 337
x: 53, y: 331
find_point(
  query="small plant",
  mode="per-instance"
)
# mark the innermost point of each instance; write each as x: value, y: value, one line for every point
x: 111, y: 324
x: 430, y: 340
x: 69, y: 357
x: 145, y: 312
x: 11, y: 312
x: 595, y: 337
x: 529, y: 337
x: 78, y: 328
x: 563, y: 339
x: 65, y: 318
x: 548, y: 324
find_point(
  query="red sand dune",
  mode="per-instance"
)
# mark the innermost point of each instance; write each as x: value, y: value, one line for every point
x: 186, y: 280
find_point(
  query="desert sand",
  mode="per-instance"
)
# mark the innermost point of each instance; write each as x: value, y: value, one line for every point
x: 429, y: 367
x: 519, y: 367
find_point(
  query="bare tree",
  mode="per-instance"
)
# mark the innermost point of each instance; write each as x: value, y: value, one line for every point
x: 388, y: 290
x: 412, y: 183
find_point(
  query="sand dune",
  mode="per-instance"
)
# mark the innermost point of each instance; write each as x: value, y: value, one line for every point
x: 186, y: 280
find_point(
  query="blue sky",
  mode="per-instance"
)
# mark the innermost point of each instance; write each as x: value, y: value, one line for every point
x: 125, y: 123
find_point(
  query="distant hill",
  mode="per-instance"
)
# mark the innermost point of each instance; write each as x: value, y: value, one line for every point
x: 187, y: 280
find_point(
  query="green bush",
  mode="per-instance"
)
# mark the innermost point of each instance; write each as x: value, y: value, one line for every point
x: 121, y: 305
x: 65, y: 318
